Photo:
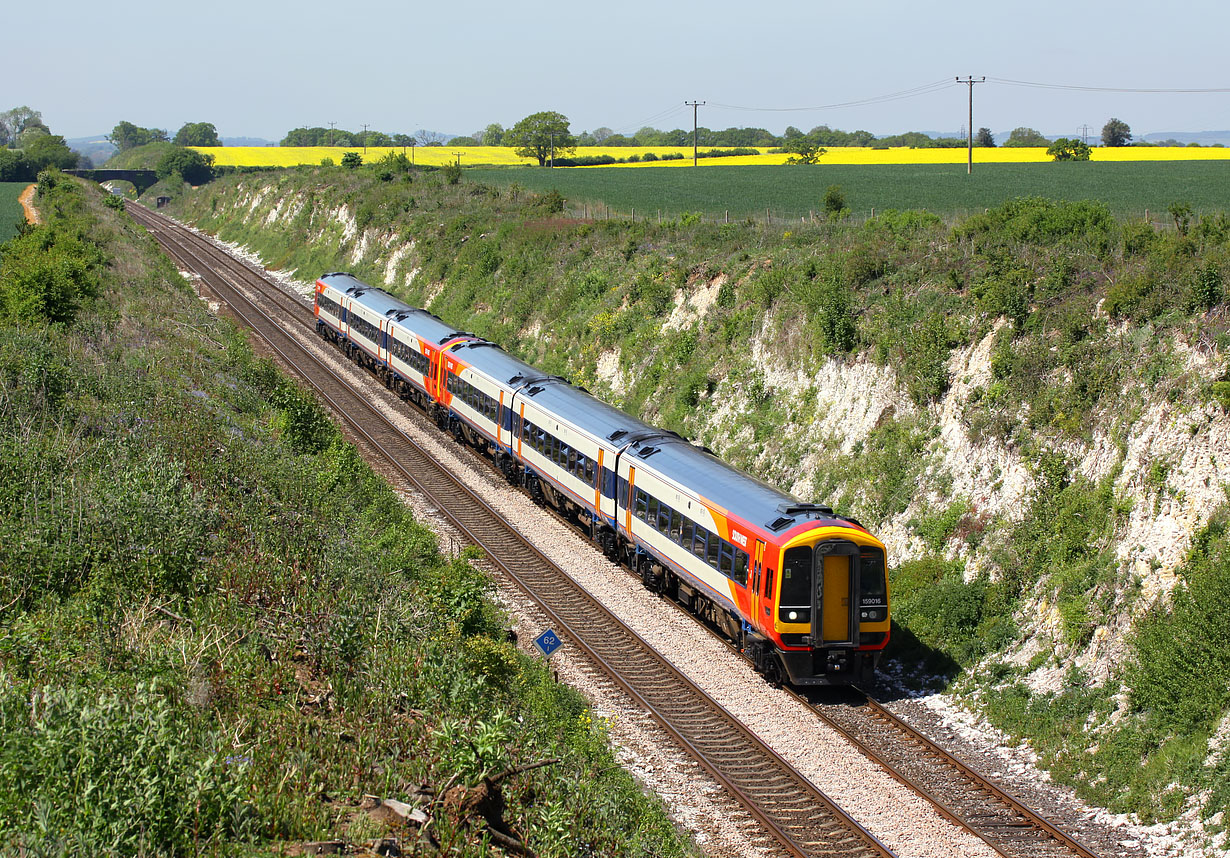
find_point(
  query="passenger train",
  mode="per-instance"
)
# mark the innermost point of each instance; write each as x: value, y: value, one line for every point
x: 801, y: 591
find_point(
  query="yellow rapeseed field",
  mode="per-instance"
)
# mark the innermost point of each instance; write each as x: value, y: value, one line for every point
x: 472, y: 156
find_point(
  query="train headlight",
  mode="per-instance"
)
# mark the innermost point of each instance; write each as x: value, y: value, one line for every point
x: 793, y: 615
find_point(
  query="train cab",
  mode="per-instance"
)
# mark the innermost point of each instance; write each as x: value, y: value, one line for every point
x: 830, y: 611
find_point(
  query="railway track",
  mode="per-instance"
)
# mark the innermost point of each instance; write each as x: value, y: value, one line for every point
x: 798, y: 816
x: 958, y: 791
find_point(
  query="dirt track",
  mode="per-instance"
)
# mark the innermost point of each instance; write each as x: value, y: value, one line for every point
x: 27, y: 203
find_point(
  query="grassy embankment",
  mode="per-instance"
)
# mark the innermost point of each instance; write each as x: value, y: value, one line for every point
x: 11, y: 213
x: 900, y: 291
x: 218, y: 628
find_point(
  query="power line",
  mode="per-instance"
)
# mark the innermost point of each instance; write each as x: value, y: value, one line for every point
x: 914, y: 92
x: 1076, y: 88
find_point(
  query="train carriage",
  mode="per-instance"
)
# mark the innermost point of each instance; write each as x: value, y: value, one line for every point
x: 570, y: 442
x: 801, y: 590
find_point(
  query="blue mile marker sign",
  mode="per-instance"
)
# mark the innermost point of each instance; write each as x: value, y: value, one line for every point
x: 548, y: 642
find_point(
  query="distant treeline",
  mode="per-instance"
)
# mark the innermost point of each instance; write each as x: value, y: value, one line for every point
x: 733, y: 138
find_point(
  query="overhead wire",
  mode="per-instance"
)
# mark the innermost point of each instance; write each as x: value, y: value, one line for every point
x: 913, y: 92
x: 1077, y: 88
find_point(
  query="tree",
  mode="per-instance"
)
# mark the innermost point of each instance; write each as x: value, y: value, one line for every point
x: 14, y: 167
x: 1116, y: 133
x: 539, y: 135
x: 125, y: 136
x: 17, y: 120
x: 493, y: 135
x: 1026, y: 137
x: 803, y: 151
x: 352, y: 160
x: 1069, y: 149
x: 984, y: 137
x: 50, y: 150
x: 197, y: 134
x: 195, y: 168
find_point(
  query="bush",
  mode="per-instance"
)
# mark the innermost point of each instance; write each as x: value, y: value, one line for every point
x: 116, y: 773
x: 190, y: 166
x: 835, y: 201
x: 352, y: 160
x: 45, y: 276
x: 1207, y: 291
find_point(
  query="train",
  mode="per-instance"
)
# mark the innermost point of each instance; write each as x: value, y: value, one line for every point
x: 800, y: 590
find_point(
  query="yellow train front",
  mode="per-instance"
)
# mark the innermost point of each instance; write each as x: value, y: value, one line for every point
x: 800, y: 589
x: 827, y: 592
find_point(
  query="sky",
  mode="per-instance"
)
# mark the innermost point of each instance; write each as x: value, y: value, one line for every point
x: 259, y: 69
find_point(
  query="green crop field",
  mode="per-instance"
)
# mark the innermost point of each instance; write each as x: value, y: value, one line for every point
x: 10, y: 208
x: 1129, y: 189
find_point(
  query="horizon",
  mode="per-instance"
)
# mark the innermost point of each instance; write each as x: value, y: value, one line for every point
x: 1056, y: 68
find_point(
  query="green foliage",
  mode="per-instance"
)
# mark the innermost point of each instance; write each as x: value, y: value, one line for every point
x: 195, y: 168
x: 115, y: 773
x: 540, y: 135
x: 1116, y: 132
x: 352, y: 160
x: 1069, y: 149
x: 1026, y: 137
x: 300, y: 420
x: 49, y: 150
x: 197, y: 134
x: 46, y: 275
x: 1181, y: 212
x: 804, y: 151
x: 451, y: 173
x: 127, y: 136
x: 1180, y: 671
x: 204, y: 635
x: 1207, y: 291
x: 835, y: 202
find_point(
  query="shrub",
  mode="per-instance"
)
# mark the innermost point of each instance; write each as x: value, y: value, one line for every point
x: 835, y: 202
x: 190, y: 166
x: 1207, y: 290
x: 352, y: 160
x: 116, y: 773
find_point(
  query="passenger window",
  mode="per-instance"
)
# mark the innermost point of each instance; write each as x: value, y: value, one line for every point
x: 740, y: 567
x: 653, y: 512
x: 687, y: 533
x: 572, y: 461
x: 676, y: 524
x: 642, y: 504
x: 702, y: 537
x: 727, y: 562
x: 711, y: 550
x: 664, y: 520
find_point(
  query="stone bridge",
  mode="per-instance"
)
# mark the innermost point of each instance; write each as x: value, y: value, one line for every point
x: 142, y: 180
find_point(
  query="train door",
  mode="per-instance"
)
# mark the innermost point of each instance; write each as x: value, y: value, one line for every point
x: 836, y: 582
x: 757, y: 574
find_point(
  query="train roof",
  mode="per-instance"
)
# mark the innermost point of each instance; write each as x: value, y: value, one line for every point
x: 497, y: 364
x: 421, y: 323
x: 585, y: 411
x: 740, y: 494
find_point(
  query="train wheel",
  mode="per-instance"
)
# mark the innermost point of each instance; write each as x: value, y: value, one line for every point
x: 647, y: 577
x: 606, y: 540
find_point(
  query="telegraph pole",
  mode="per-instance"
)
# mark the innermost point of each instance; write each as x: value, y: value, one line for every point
x: 365, y: 127
x: 693, y: 105
x: 1085, y: 134
x: 332, y: 125
x: 970, y: 82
